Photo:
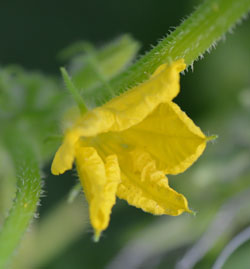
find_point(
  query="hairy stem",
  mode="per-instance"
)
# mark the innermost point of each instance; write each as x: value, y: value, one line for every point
x: 206, y: 25
x: 27, y: 196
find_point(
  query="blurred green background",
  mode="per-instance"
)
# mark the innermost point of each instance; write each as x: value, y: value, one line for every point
x: 216, y: 95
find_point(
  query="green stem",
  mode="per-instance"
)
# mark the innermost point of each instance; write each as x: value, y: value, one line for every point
x: 27, y: 195
x: 73, y: 90
x: 206, y: 25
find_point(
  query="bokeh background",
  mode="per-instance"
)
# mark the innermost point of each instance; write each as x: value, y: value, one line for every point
x: 216, y: 95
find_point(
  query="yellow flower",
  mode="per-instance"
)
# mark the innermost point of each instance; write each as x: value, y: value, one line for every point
x: 127, y: 146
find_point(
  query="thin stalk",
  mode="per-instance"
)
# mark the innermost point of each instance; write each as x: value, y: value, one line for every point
x: 73, y: 90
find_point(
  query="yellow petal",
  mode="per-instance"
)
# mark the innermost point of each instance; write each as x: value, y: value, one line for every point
x: 147, y: 188
x: 170, y: 136
x: 100, y: 183
x: 65, y: 155
x: 134, y: 105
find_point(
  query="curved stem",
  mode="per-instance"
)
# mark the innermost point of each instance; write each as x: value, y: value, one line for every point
x: 27, y: 195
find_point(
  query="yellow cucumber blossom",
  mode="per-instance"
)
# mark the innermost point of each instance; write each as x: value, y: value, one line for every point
x: 126, y: 147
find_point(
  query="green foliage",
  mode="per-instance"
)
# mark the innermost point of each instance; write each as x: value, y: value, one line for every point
x: 32, y: 102
x: 92, y: 68
x: 31, y: 108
